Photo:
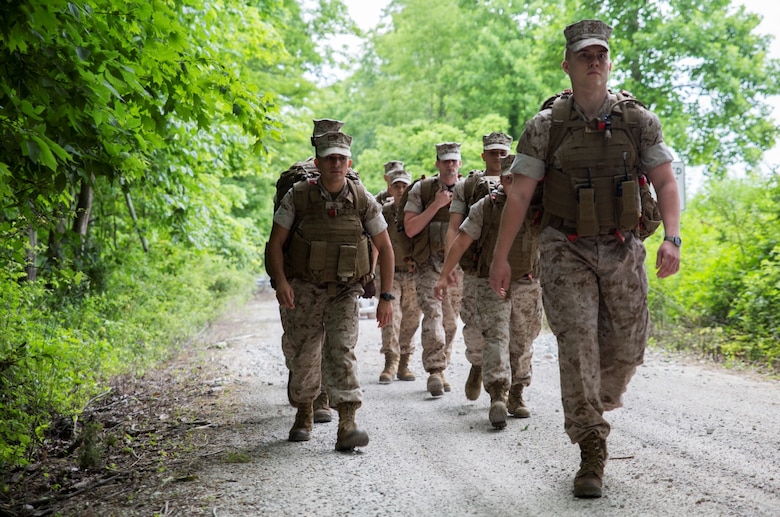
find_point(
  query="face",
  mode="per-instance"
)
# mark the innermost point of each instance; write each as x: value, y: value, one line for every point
x: 333, y: 166
x: 397, y: 190
x: 448, y: 170
x: 589, y: 67
x: 492, y: 159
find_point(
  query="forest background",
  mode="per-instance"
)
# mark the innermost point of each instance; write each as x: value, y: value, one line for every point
x: 141, y: 142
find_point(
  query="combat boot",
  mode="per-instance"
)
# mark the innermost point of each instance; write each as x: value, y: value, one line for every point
x: 304, y: 420
x: 445, y: 384
x: 404, y: 373
x: 516, y: 405
x: 349, y: 436
x: 497, y: 414
x: 593, y: 453
x: 474, y: 382
x: 435, y: 385
x: 322, y: 409
x: 391, y: 366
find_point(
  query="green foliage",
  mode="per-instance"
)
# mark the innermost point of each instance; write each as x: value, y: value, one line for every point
x: 730, y: 270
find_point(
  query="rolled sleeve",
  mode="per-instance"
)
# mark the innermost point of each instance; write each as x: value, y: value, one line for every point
x: 472, y: 226
x: 413, y: 201
x: 528, y: 166
x: 285, y: 214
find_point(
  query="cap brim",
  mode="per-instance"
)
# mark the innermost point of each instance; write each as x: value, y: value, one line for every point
x: 576, y: 47
x: 403, y: 180
x: 449, y: 156
x: 496, y: 146
x: 334, y: 150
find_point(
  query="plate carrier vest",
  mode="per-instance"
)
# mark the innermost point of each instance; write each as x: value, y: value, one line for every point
x: 597, y: 189
x: 401, y: 244
x: 523, y: 255
x: 328, y: 244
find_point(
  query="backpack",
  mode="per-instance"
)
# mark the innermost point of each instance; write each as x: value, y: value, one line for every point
x: 405, y: 243
x: 420, y: 244
x: 300, y: 171
x: 304, y: 170
x: 561, y: 106
x: 475, y: 187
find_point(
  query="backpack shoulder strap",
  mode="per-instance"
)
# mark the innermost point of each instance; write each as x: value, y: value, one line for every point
x: 561, y: 106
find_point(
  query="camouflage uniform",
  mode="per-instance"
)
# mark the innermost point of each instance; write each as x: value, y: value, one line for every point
x: 397, y: 338
x: 439, y: 323
x: 509, y: 325
x: 594, y: 291
x: 319, y: 317
x: 469, y: 313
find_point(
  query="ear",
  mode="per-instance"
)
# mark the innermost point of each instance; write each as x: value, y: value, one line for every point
x: 349, y: 163
x: 565, y: 66
x: 317, y: 162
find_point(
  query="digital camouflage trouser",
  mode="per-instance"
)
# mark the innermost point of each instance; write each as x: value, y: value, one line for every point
x: 595, y: 299
x: 397, y: 337
x: 318, y: 316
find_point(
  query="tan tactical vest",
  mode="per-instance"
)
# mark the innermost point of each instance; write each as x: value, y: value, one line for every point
x: 328, y: 244
x: 475, y: 187
x: 523, y: 255
x: 433, y: 238
x: 596, y: 190
x: 401, y: 244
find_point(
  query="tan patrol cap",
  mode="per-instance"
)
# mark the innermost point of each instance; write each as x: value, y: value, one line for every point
x: 496, y: 140
x: 448, y: 151
x: 393, y: 165
x: 585, y: 33
x: 325, y: 125
x: 334, y: 142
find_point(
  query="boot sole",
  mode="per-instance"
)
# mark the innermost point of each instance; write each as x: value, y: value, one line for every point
x: 351, y: 441
x: 436, y: 388
x: 497, y: 415
x: 299, y: 435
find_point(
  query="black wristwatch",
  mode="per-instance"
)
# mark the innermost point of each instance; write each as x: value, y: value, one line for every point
x: 387, y: 297
x: 674, y: 239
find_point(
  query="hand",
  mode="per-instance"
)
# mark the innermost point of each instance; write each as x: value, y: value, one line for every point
x: 285, y: 295
x: 440, y: 289
x: 500, y: 275
x: 667, y: 260
x: 452, y: 278
x: 384, y: 313
x: 443, y: 197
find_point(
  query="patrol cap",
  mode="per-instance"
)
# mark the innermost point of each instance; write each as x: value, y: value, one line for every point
x: 325, y: 125
x: 585, y: 33
x: 448, y: 151
x: 506, y: 164
x: 397, y: 175
x: 333, y: 142
x: 391, y: 166
x: 496, y: 140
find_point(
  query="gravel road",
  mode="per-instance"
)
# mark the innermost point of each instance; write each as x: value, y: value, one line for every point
x: 691, y: 440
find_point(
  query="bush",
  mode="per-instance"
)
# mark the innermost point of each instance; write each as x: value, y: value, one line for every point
x: 59, y: 346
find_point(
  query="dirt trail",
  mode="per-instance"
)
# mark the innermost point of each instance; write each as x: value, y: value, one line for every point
x: 691, y: 440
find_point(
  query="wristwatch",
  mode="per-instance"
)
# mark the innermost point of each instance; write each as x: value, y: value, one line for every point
x: 674, y: 239
x: 387, y: 297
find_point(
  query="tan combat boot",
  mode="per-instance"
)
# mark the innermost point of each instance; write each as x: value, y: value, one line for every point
x: 322, y: 409
x: 349, y: 436
x: 516, y: 405
x: 404, y: 373
x: 497, y: 414
x: 445, y: 384
x: 435, y: 385
x: 588, y: 480
x: 301, y: 429
x: 474, y: 382
x: 391, y: 366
